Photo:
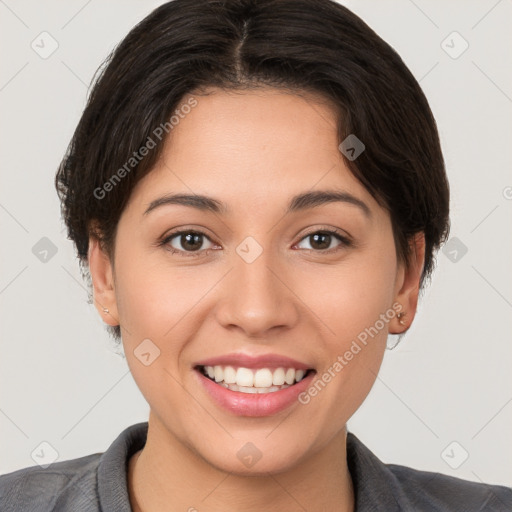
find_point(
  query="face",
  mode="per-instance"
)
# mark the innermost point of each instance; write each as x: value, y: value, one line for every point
x: 254, y: 285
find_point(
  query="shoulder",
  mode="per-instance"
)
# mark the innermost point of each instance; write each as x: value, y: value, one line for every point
x: 65, y: 485
x: 87, y: 484
x: 391, y: 487
x: 427, y: 490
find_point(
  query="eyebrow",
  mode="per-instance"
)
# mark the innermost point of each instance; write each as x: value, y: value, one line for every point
x: 297, y: 203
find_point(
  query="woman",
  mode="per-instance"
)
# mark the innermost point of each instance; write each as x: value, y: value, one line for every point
x: 257, y: 190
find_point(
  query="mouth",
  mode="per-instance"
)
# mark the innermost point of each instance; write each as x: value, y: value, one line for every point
x: 253, y: 385
x: 254, y: 380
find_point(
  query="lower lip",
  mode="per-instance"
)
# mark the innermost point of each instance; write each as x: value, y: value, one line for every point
x: 254, y: 404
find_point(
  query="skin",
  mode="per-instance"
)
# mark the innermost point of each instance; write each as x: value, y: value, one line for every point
x: 253, y: 151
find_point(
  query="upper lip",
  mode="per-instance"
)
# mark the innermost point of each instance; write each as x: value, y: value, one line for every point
x: 249, y: 361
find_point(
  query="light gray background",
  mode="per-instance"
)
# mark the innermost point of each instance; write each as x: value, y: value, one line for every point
x: 449, y: 380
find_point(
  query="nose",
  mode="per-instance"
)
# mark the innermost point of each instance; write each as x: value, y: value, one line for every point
x: 257, y: 298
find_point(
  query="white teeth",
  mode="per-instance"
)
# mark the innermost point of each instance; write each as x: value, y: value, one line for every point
x: 289, y: 377
x: 252, y: 390
x: 218, y: 373
x: 248, y: 390
x: 244, y: 377
x: 278, y: 377
x: 229, y: 375
x: 262, y: 380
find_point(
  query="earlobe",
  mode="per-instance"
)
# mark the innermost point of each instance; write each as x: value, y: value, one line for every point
x: 104, y: 296
x: 409, y: 287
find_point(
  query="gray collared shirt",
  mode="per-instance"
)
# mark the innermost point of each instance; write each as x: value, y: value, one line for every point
x: 98, y: 483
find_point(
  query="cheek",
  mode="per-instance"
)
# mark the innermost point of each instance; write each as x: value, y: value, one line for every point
x: 161, y: 303
x: 351, y: 296
x: 154, y: 305
x: 153, y: 294
x: 352, y: 302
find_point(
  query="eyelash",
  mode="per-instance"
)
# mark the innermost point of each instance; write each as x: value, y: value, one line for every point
x: 345, y: 242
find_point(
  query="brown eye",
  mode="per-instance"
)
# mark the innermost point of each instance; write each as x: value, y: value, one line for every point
x: 325, y: 241
x: 320, y: 240
x: 191, y: 241
x: 186, y: 242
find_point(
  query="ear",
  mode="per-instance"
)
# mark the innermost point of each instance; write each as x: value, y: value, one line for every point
x: 408, y: 285
x: 102, y: 282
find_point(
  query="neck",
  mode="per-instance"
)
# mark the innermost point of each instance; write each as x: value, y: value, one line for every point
x: 166, y: 476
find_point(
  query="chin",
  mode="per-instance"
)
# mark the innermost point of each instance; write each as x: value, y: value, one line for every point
x: 249, y: 461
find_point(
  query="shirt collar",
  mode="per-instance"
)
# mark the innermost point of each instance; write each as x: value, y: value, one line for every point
x: 113, y: 468
x: 375, y: 487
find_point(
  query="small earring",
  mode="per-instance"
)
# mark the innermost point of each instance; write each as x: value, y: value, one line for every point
x: 400, y: 321
x: 105, y: 310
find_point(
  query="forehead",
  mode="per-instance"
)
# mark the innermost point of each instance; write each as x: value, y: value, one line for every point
x: 251, y: 148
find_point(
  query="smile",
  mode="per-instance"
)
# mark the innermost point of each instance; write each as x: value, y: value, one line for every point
x: 253, y: 385
x: 247, y: 380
